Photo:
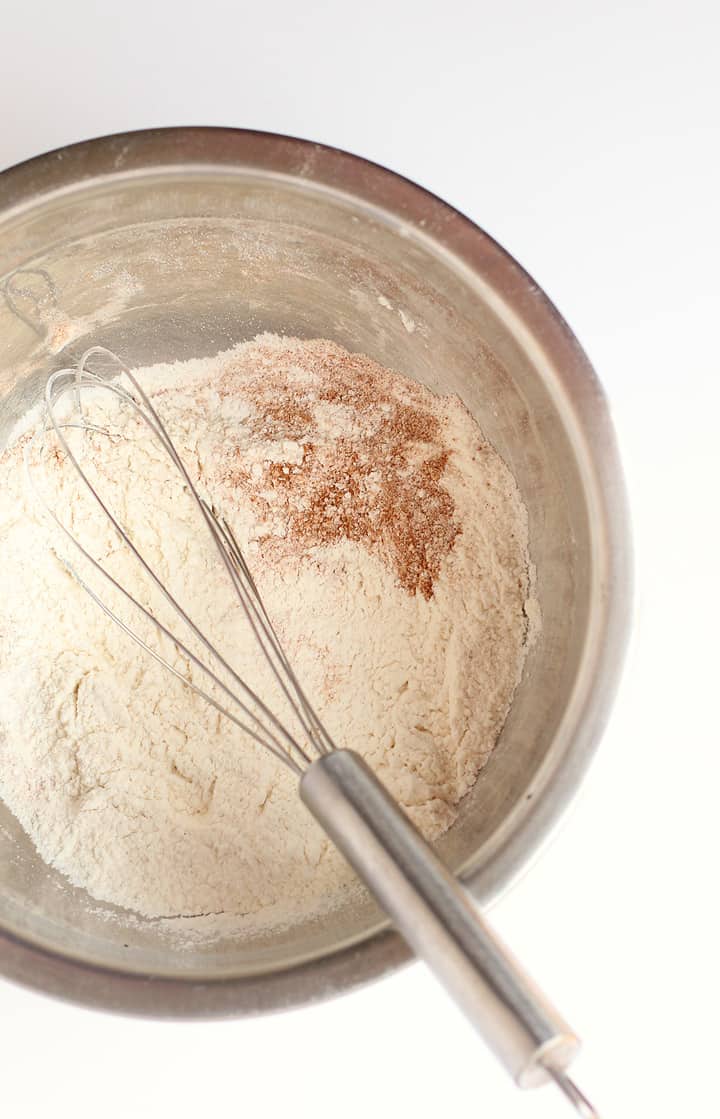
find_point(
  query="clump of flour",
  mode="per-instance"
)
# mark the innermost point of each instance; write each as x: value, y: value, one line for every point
x: 389, y: 543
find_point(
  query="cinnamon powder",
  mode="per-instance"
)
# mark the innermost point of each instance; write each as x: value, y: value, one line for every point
x: 377, y: 480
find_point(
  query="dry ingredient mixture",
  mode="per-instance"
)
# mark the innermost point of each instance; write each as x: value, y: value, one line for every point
x: 389, y: 543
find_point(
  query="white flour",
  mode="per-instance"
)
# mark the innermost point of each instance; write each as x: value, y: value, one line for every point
x: 390, y: 545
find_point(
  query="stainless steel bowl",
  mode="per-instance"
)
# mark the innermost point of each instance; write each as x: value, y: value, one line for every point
x: 177, y: 243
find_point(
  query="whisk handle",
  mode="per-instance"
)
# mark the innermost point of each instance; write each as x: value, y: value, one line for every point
x: 437, y: 917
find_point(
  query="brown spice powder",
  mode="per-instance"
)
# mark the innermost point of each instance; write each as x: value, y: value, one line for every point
x: 373, y: 477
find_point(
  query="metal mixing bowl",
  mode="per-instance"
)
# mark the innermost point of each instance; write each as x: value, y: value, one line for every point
x: 177, y: 243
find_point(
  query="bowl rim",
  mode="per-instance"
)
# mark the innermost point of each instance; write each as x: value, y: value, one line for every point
x: 162, y: 149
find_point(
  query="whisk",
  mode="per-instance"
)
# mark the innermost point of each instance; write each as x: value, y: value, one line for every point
x: 427, y: 905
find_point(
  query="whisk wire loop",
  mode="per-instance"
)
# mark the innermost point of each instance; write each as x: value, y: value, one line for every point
x: 264, y: 726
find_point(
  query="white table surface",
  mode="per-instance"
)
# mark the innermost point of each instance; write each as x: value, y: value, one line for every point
x: 584, y: 136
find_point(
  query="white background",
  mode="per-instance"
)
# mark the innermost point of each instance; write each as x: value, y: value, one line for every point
x: 584, y: 136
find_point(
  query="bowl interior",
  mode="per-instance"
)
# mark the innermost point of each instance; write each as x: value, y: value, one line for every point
x: 177, y: 261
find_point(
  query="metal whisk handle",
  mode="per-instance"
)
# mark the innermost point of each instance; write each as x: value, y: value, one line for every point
x: 437, y: 918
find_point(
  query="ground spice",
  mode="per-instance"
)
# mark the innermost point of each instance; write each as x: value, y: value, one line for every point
x: 381, y: 487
